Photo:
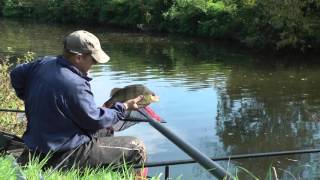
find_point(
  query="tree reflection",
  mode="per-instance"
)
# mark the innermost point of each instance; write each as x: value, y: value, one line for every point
x: 261, y: 108
x: 269, y: 110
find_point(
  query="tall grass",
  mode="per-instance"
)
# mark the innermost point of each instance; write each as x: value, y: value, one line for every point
x: 9, y: 169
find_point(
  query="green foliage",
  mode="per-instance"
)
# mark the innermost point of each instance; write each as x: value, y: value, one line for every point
x: 12, y: 8
x: 132, y: 13
x: 76, y: 10
x: 283, y: 24
x: 275, y: 24
x: 53, y: 10
x: 125, y: 12
x: 8, y: 99
x: 200, y: 17
x: 185, y: 15
x: 1, y: 7
x: 7, y: 170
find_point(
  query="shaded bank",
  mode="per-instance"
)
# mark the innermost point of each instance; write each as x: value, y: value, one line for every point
x: 285, y: 26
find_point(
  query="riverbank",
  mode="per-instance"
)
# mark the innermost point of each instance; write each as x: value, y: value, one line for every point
x: 260, y: 25
x: 9, y: 169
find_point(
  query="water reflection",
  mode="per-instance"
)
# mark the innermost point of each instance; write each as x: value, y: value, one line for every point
x: 269, y: 111
x: 260, y: 109
x: 217, y: 97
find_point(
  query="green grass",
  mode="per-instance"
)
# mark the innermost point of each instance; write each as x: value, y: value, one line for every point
x: 10, y: 170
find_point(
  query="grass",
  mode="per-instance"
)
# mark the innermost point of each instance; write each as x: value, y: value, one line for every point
x: 10, y: 170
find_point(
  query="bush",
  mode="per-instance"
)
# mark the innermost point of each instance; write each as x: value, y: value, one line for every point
x: 284, y: 25
x: 279, y: 25
x: 132, y: 13
x: 8, y: 98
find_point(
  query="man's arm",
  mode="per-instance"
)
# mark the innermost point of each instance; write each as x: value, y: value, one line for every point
x: 19, y: 77
x: 88, y: 116
x: 85, y: 113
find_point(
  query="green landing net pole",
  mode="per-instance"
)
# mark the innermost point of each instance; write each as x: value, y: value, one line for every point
x: 214, y: 168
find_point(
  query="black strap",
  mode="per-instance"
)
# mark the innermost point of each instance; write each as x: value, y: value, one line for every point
x: 7, y: 139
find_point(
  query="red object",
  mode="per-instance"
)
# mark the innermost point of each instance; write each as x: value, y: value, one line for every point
x: 143, y: 174
x: 152, y: 114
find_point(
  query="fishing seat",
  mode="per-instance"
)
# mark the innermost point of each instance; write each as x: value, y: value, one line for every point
x: 11, y: 144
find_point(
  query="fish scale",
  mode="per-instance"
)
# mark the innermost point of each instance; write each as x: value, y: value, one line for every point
x: 130, y: 92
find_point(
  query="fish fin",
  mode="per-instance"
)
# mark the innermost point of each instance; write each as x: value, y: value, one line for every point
x: 108, y: 104
x: 113, y: 91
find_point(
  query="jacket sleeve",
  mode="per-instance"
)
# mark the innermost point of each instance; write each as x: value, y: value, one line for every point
x: 87, y: 115
x: 19, y: 77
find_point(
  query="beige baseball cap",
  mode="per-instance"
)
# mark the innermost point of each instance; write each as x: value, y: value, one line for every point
x: 84, y: 42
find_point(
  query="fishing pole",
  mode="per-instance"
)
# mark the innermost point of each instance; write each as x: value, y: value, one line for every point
x: 11, y: 110
x: 187, y: 161
x: 22, y: 111
x: 212, y: 167
x: 231, y: 157
x: 217, y: 159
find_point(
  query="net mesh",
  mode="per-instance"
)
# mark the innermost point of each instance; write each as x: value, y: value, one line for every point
x: 134, y: 117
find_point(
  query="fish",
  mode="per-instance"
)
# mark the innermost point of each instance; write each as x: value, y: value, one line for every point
x: 131, y: 92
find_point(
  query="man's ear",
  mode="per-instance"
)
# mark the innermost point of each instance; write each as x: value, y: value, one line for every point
x: 77, y: 58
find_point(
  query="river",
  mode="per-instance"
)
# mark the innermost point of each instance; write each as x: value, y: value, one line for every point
x: 216, y: 96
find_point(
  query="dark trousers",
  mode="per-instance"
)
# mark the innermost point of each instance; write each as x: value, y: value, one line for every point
x: 99, y: 152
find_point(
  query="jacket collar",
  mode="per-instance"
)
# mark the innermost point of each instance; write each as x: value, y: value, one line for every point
x: 64, y: 62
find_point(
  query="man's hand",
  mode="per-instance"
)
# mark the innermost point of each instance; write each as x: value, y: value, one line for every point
x: 131, y: 104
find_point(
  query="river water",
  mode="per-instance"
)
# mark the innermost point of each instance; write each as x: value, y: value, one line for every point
x: 217, y: 97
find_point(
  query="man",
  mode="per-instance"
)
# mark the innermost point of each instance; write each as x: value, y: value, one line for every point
x: 63, y: 118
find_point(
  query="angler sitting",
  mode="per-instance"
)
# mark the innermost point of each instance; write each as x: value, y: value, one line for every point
x: 63, y: 118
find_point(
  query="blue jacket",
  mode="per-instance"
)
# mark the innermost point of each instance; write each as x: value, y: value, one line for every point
x: 59, y: 105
